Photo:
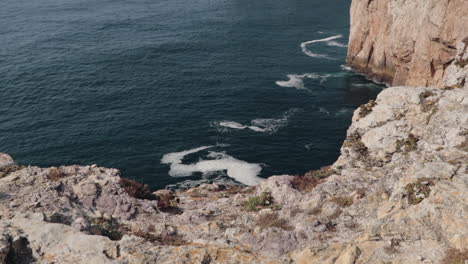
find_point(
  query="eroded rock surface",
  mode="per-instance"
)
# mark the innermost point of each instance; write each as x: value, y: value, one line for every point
x: 397, y: 194
x: 407, y: 43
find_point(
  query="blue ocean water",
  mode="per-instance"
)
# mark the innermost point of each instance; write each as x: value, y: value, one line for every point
x: 123, y: 83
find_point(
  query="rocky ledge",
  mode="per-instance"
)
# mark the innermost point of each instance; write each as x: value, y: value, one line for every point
x: 397, y: 194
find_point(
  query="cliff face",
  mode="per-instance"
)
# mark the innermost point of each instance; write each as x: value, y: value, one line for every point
x: 407, y: 43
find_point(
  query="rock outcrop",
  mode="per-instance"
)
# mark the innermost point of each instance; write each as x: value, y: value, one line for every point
x: 407, y: 43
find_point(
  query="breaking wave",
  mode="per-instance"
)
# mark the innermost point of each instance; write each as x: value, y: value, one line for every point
x: 238, y: 170
x: 317, y: 55
x: 263, y: 125
x: 297, y: 80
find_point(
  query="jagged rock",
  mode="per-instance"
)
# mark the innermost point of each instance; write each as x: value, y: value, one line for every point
x: 407, y: 43
x: 4, y: 247
x: 5, y: 160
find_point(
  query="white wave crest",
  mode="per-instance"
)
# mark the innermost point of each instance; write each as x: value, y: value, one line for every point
x: 263, y: 125
x: 346, y: 68
x: 239, y: 170
x: 317, y: 55
x: 297, y: 80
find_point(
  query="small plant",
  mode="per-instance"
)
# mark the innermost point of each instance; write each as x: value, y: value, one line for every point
x: 416, y: 192
x: 321, y: 173
x: 426, y: 104
x: 5, y: 171
x: 342, y: 201
x: 106, y: 227
x: 272, y: 220
x: 354, y: 142
x: 257, y: 202
x: 137, y: 190
x: 365, y: 109
x: 315, y: 211
x: 168, y: 203
x: 55, y: 174
x: 407, y: 145
x: 454, y: 256
x: 305, y: 183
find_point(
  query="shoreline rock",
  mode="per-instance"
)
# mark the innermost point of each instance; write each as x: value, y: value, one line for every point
x: 406, y: 43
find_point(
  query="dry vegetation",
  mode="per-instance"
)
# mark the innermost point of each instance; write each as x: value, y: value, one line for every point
x: 272, y: 220
x: 55, y: 174
x: 455, y: 256
x: 342, y: 201
x: 137, y: 190
x: 365, y: 109
x: 418, y: 191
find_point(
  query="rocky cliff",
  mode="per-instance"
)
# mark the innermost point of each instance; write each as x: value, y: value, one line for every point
x: 398, y: 193
x: 406, y: 42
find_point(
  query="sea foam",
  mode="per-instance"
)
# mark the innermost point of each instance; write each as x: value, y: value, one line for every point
x: 297, y: 80
x: 317, y: 55
x: 263, y: 125
x: 239, y: 170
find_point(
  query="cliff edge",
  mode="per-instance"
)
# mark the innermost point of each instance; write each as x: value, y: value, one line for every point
x: 407, y: 43
x: 397, y: 194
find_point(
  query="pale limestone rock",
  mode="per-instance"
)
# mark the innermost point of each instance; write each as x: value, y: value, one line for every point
x: 349, y: 256
x: 6, y: 160
x: 391, y: 43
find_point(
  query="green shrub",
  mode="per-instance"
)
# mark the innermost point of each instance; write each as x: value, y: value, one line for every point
x: 418, y: 191
x: 257, y: 202
x: 106, y: 227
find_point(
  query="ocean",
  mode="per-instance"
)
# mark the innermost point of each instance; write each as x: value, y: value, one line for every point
x: 176, y: 93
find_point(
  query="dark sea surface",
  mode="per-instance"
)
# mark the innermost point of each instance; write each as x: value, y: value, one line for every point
x: 122, y: 83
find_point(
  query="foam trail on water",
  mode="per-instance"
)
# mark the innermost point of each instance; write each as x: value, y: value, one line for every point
x: 239, y: 170
x: 346, y: 68
x: 317, y: 55
x: 232, y: 124
x: 336, y: 44
x: 297, y: 80
x: 344, y: 112
x: 263, y: 125
x: 177, y: 157
x: 324, y: 110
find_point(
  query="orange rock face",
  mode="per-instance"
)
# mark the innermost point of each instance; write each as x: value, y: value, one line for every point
x: 407, y: 43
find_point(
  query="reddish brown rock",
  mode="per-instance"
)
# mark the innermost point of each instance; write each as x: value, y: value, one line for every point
x: 407, y: 43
